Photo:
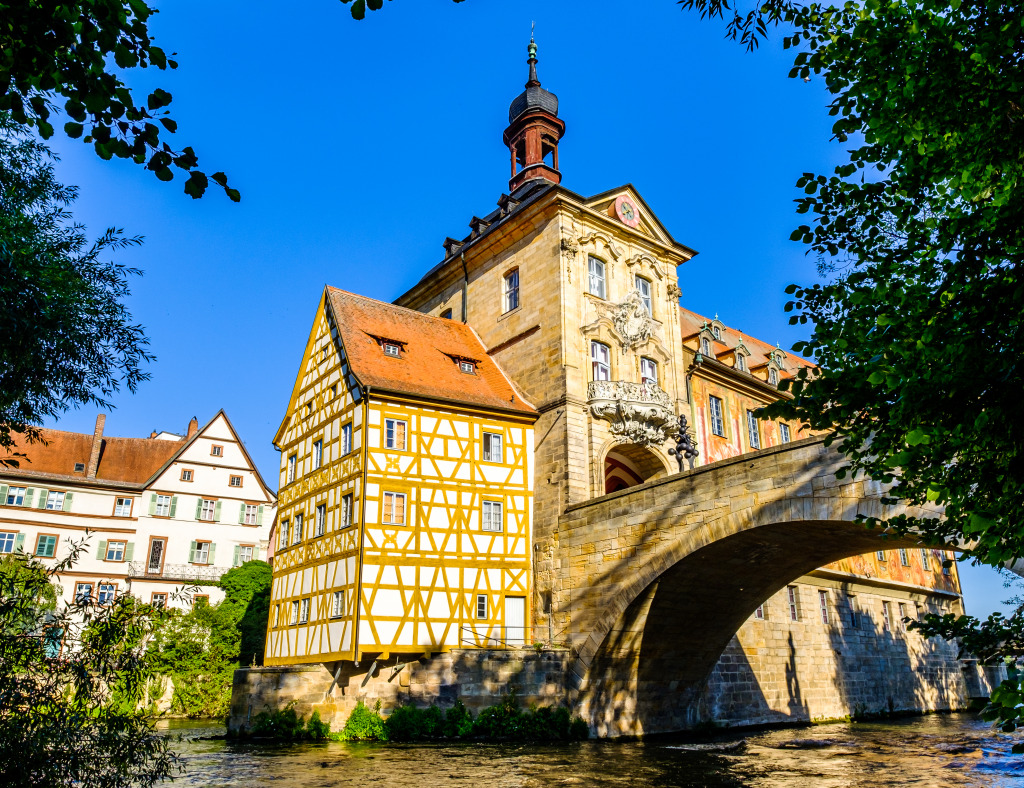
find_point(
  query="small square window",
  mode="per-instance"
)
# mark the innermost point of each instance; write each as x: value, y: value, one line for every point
x: 309, y: 409
x: 200, y: 599
x: 123, y: 507
x: 115, y: 551
x: 234, y: 481
x: 83, y: 593
x: 492, y: 447
x: 159, y: 600
x: 54, y: 501
x: 468, y: 367
x: 216, y: 451
x: 186, y: 474
x: 245, y: 552
x: 106, y: 593
x: 46, y: 545
x: 79, y: 467
x: 481, y: 606
x: 759, y: 613
x: 447, y: 314
x: 392, y: 350
x: 880, y: 555
x: 201, y: 554
x: 15, y: 496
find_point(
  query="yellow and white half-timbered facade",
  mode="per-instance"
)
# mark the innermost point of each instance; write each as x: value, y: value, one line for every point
x: 406, y: 491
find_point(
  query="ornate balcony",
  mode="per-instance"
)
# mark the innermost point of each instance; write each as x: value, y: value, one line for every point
x: 639, y: 413
x: 189, y: 573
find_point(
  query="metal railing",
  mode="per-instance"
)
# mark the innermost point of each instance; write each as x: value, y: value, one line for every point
x: 196, y: 573
x: 498, y: 636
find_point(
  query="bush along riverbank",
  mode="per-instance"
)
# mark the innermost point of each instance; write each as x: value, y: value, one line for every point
x: 505, y: 721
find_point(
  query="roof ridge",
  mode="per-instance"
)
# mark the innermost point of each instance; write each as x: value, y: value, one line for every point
x: 394, y: 306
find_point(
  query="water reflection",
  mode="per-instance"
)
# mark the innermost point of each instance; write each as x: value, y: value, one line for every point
x: 939, y: 750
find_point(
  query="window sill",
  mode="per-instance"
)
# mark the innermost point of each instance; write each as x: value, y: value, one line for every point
x: 509, y: 313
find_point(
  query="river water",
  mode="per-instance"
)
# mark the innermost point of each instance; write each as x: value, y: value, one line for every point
x: 933, y: 751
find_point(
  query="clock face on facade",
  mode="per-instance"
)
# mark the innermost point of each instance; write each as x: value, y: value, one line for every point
x: 626, y: 210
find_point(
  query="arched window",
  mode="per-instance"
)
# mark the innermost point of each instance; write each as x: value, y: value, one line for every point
x: 705, y: 346
x: 447, y: 314
x: 511, y: 290
x: 595, y: 270
x: 643, y: 287
x: 741, y: 362
x: 773, y: 377
x: 717, y: 332
x: 600, y: 358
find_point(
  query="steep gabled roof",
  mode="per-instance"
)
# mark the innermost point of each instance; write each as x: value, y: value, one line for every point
x: 429, y: 362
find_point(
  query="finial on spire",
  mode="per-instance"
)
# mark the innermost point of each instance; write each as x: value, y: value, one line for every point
x: 532, y: 60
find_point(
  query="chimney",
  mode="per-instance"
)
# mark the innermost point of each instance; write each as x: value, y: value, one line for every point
x: 193, y: 428
x: 152, y: 434
x: 97, y: 446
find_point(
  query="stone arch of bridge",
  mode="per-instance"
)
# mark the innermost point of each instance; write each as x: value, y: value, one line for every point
x: 693, y: 555
x: 628, y: 465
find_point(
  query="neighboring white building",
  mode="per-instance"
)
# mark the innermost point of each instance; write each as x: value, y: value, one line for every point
x: 156, y: 514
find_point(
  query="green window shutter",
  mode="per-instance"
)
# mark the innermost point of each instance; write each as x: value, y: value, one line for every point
x: 192, y: 553
x: 19, y: 542
x: 129, y: 551
x: 241, y: 513
x: 3, y: 493
x: 259, y: 515
x: 199, y: 508
x: 213, y: 552
x: 101, y: 551
x: 234, y: 561
x: 174, y: 504
x: 68, y: 497
x: 152, y: 504
x: 216, y: 512
x: 29, y: 493
x: 41, y: 502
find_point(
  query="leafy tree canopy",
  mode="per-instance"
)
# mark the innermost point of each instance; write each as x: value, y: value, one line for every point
x: 71, y: 53
x: 67, y: 337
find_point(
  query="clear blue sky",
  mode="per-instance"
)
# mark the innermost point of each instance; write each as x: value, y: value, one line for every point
x: 358, y: 146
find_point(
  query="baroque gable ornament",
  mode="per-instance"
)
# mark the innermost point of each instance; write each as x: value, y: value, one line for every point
x: 632, y: 321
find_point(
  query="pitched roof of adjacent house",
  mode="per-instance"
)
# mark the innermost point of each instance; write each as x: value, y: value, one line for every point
x: 122, y: 460
x: 431, y: 349
x: 690, y: 324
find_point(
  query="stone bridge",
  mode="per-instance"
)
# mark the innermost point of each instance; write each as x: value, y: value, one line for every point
x: 653, y: 581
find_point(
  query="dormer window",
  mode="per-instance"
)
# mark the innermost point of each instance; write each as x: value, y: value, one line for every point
x: 741, y: 363
x: 79, y: 467
x: 705, y: 346
x: 773, y: 377
x: 392, y: 350
x: 468, y: 367
x: 717, y: 332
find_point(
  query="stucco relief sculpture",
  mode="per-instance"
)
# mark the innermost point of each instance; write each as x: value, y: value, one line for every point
x: 632, y: 321
x: 639, y: 413
x: 570, y: 248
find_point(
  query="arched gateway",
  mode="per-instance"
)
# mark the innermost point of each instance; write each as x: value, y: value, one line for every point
x: 685, y: 561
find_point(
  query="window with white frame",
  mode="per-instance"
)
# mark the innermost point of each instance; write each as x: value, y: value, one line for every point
x: 54, y: 500
x: 346, y: 438
x: 904, y: 557
x: 717, y: 415
x: 717, y: 332
x: 741, y: 362
x: 595, y: 273
x: 15, y: 496
x: 83, y: 593
x: 320, y: 521
x: 391, y: 349
x: 492, y: 447
x: 338, y: 604
x: 216, y: 451
x: 318, y: 453
x: 158, y: 600
x: 291, y: 468
x: 753, y: 430
x: 394, y: 508
x: 648, y: 371
x: 759, y: 613
x: 511, y: 294
x: 643, y: 287
x: 106, y: 593
x: 7, y: 539
x: 481, y: 606
x: 886, y: 617
x: 297, y: 529
x: 346, y: 510
x: 295, y: 612
x: 705, y: 346
x: 304, y: 611
x: 277, y: 615
x: 245, y: 552
x: 282, y: 537
x: 926, y: 560
x: 490, y: 516
x: 902, y: 623
x: 823, y: 604
x: 207, y: 509
x: 468, y: 367
x: 234, y: 481
x: 794, y: 603
x: 394, y: 434
x: 880, y: 555
x: 115, y: 551
x: 600, y: 361
x: 163, y: 506
x: 784, y: 432
x: 202, y: 553
x: 773, y: 376
x: 252, y: 514
x: 123, y: 507
x: 186, y: 474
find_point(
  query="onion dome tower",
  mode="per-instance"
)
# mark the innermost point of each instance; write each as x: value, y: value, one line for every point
x: 534, y: 131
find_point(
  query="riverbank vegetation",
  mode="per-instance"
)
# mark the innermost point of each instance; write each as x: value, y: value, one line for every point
x: 505, y: 721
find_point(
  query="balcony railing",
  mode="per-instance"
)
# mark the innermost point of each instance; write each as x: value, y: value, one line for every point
x: 498, y: 636
x: 638, y: 412
x: 195, y: 573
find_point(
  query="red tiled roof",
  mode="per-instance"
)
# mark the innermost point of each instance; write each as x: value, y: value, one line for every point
x: 125, y: 460
x: 690, y: 324
x: 428, y: 366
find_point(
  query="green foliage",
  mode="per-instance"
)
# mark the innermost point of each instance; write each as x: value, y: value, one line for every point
x: 73, y: 53
x: 286, y: 724
x: 458, y: 721
x: 364, y: 724
x: 72, y: 692
x: 359, y: 6
x: 247, y: 597
x: 66, y: 337
x: 918, y: 331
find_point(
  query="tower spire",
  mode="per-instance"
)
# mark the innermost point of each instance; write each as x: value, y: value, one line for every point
x: 532, y: 82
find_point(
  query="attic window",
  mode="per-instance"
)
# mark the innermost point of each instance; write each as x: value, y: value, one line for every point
x: 705, y: 346
x: 741, y: 362
x: 717, y: 332
x: 468, y: 367
x: 79, y: 466
x: 392, y: 350
x: 773, y: 377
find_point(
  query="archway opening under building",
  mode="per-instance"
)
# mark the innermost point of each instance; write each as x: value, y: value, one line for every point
x: 628, y: 465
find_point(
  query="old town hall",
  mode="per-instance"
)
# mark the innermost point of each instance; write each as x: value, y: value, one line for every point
x: 432, y: 448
